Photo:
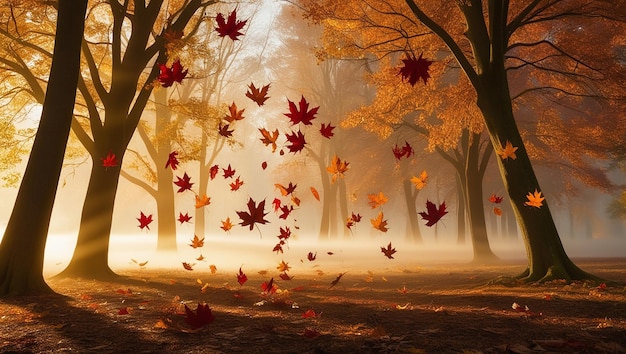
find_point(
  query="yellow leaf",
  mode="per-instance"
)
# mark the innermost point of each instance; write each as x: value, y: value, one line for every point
x: 202, y: 201
x: 337, y: 168
x: 508, y: 151
x: 377, y: 200
x: 420, y: 181
x: 534, y: 199
x: 283, y: 266
x: 379, y: 223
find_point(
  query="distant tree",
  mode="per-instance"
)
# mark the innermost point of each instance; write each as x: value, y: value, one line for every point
x: 23, y: 244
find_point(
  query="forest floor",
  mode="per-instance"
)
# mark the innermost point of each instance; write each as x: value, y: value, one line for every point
x: 434, y: 309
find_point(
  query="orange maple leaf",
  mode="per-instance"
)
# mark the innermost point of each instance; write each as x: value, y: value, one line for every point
x: 379, y: 223
x: 258, y: 95
x: 337, y: 168
x: 196, y: 242
x: 269, y: 138
x: 234, y: 114
x: 202, y: 201
x: 283, y: 266
x: 508, y: 151
x: 226, y: 224
x: 534, y: 199
x: 420, y: 182
x: 377, y: 200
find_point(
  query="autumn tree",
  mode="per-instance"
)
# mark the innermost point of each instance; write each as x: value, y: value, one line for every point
x: 23, y: 244
x: 486, y: 40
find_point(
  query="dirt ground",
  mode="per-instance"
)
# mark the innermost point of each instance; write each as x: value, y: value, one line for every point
x: 437, y: 309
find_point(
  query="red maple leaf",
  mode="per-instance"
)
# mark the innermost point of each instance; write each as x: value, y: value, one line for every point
x: 336, y: 281
x: 495, y: 199
x: 309, y: 313
x: 241, y: 277
x: 231, y: 27
x: 327, y: 130
x: 356, y: 217
x: 276, y: 202
x: 228, y: 172
x: 213, y: 171
x: 172, y: 161
x: 184, y: 218
x: 297, y: 141
x: 415, y: 69
x: 278, y: 247
x: 235, y: 185
x: 432, y: 213
x: 404, y: 151
x: 311, y: 257
x: 175, y: 73
x: 201, y: 317
x: 255, y: 214
x: 285, y: 276
x: 407, y: 149
x: 235, y: 114
x: 285, y: 233
x: 304, y: 115
x: 183, y: 183
x: 389, y: 251
x: 397, y: 152
x: 144, y: 220
x: 223, y: 130
x: 109, y: 160
x: 258, y: 96
x: 286, y: 211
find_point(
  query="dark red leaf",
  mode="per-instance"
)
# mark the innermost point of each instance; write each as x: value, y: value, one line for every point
x: 172, y: 161
x: 432, y: 213
x: 201, y: 317
x: 296, y: 140
x: 258, y: 96
x: 389, y: 251
x: 184, y: 218
x: 144, y: 220
x: 184, y: 183
x: 327, y: 130
x: 415, y: 69
x: 303, y: 115
x: 231, y: 27
x: 255, y: 214
x: 228, y: 172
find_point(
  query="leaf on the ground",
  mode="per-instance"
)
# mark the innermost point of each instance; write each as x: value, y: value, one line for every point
x: 311, y: 333
x: 201, y: 317
x: 310, y: 313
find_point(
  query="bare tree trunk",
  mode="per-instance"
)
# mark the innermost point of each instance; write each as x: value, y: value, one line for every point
x: 23, y: 245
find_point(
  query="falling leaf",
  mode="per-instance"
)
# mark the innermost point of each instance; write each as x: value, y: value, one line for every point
x: 336, y: 281
x: 175, y: 73
x: 213, y: 268
x: 200, y: 258
x: 303, y: 115
x: 241, y: 277
x: 433, y: 214
x: 109, y: 161
x: 285, y: 191
x: 264, y: 165
x: 376, y: 200
x: 184, y: 183
x: 378, y: 223
x: 144, y: 220
x: 234, y: 186
x: 296, y: 141
x: 497, y: 211
x: 389, y: 251
x: 188, y: 266
x: 255, y: 214
x: 402, y: 151
x: 495, y: 199
x: 269, y: 138
x: 201, y: 317
x: 258, y: 96
x: 534, y: 199
x: 230, y: 27
x: 197, y: 242
x: 202, y: 201
x: 184, y: 218
x: 283, y: 266
x: 269, y: 286
x: 337, y: 168
x: 311, y: 257
x: 415, y: 69
x: 234, y: 114
x: 224, y: 131
x: 420, y: 182
x: 172, y: 160
x: 226, y: 224
x: 228, y: 172
x: 276, y: 203
x: 213, y: 171
x: 508, y: 151
x: 315, y: 193
x: 285, y: 276
x: 327, y: 130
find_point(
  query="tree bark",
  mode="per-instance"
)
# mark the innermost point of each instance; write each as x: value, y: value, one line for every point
x: 410, y: 195
x: 23, y: 245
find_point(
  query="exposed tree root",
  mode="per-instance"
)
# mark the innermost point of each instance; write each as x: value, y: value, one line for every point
x: 85, y: 272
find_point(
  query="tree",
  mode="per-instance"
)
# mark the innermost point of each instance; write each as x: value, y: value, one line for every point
x: 23, y: 244
x: 486, y: 39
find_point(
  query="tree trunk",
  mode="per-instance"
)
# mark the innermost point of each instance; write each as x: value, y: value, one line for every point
x: 23, y: 245
x: 461, y: 212
x: 410, y: 194
x: 343, y: 207
x: 166, y: 214
x: 546, y: 257
x: 90, y: 259
x: 476, y: 212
